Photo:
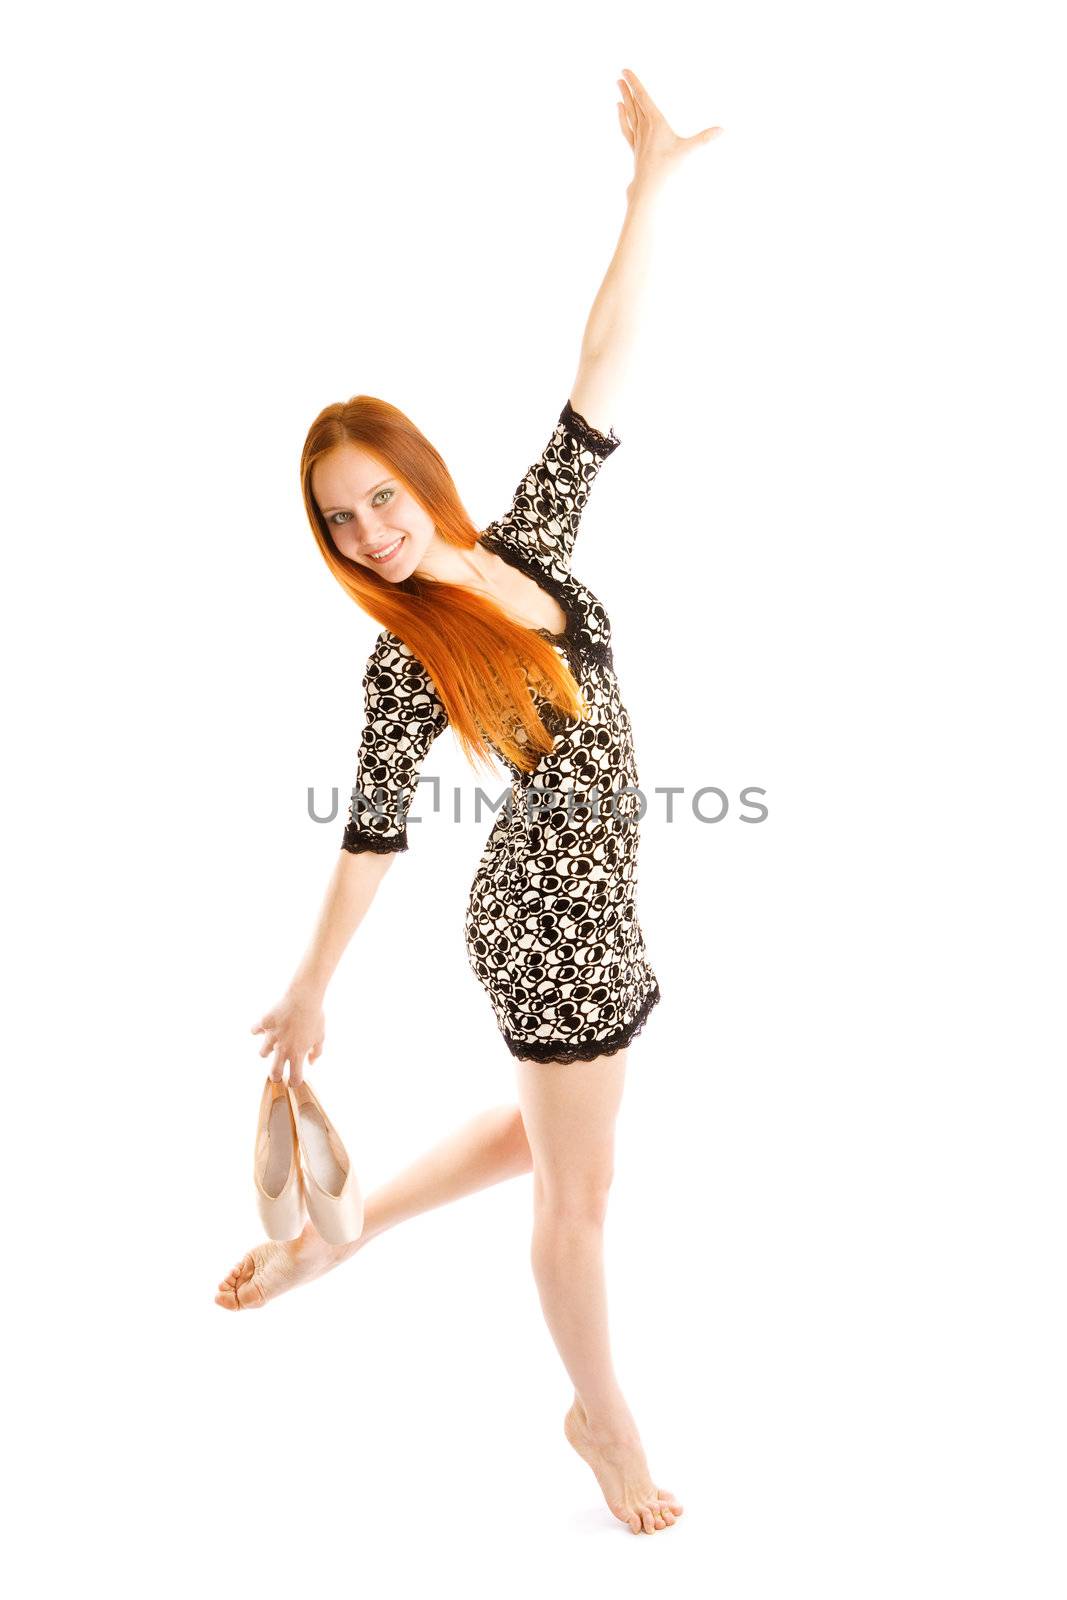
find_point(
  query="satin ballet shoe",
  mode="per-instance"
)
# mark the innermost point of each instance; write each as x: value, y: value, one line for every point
x: 279, y: 1183
x: 331, y: 1192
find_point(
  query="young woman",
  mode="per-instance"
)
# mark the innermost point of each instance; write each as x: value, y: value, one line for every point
x: 494, y: 635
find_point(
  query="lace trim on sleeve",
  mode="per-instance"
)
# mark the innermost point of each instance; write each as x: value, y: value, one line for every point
x: 358, y: 840
x: 589, y: 437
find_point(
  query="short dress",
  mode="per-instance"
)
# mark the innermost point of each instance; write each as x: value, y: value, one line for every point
x: 552, y: 930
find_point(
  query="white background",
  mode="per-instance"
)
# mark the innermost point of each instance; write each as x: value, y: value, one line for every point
x: 829, y: 545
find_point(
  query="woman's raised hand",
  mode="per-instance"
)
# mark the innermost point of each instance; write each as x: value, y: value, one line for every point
x: 294, y: 1028
x: 656, y: 146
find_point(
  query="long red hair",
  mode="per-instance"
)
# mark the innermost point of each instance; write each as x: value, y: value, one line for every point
x: 476, y: 656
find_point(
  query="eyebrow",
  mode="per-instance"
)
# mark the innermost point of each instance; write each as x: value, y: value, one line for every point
x: 329, y: 510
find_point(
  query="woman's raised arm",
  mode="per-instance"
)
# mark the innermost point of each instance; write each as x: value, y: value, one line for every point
x: 609, y: 331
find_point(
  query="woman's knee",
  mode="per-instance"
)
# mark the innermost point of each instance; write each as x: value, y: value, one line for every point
x: 576, y: 1198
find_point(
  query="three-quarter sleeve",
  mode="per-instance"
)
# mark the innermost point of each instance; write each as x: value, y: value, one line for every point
x: 547, y: 505
x: 403, y: 715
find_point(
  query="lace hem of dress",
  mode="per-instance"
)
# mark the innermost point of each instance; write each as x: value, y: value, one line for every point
x: 549, y: 1050
x: 591, y: 438
x: 357, y: 840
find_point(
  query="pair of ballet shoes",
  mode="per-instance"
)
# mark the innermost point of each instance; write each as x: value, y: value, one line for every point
x: 302, y: 1169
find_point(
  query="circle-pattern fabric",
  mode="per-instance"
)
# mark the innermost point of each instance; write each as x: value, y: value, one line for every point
x: 552, y: 930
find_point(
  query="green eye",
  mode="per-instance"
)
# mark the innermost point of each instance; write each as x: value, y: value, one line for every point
x: 333, y: 519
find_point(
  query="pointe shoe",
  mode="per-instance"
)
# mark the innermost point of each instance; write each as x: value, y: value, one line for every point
x: 331, y: 1191
x: 279, y: 1188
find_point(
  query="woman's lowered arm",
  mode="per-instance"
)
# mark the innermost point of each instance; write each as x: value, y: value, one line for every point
x: 296, y: 1026
x: 352, y: 886
x: 609, y: 331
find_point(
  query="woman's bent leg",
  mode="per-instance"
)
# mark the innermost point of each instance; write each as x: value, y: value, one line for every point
x: 486, y: 1150
x: 489, y: 1148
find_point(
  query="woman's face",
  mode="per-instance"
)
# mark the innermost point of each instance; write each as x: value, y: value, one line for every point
x: 371, y: 517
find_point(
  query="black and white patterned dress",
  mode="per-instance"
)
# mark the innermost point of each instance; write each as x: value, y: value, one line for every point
x: 552, y: 930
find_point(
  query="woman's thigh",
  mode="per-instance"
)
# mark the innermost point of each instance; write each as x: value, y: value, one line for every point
x: 569, y: 1110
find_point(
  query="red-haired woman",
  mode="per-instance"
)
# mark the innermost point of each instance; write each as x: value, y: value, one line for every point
x: 493, y: 634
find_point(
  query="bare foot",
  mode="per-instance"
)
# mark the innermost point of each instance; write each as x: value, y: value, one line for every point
x: 621, y: 1470
x: 275, y: 1266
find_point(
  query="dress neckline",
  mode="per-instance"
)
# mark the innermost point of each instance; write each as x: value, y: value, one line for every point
x: 522, y: 563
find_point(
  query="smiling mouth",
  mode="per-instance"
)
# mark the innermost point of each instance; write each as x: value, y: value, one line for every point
x: 387, y: 552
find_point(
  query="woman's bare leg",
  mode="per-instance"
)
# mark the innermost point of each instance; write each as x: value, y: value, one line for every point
x: 569, y: 1111
x: 489, y: 1148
